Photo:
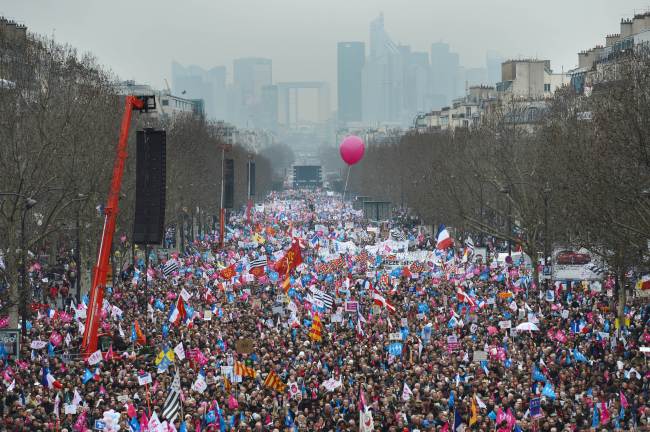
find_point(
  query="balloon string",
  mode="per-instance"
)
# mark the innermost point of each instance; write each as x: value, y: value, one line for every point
x: 345, y: 190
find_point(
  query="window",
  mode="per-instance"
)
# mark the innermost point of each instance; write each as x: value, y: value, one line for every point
x: 165, y: 102
x: 547, y: 87
x: 468, y: 111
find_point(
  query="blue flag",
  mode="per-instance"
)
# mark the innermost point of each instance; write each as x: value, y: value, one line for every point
x: 395, y: 349
x: 88, y: 375
x: 579, y: 356
x: 134, y: 424
x: 548, y: 391
x: 595, y: 420
x: 538, y: 376
x: 452, y: 400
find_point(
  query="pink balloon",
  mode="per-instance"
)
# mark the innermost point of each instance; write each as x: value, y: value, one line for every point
x: 352, y: 149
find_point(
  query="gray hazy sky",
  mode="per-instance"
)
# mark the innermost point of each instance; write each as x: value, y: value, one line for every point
x: 137, y: 39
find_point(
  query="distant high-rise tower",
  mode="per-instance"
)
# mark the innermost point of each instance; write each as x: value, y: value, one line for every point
x: 193, y: 82
x: 493, y: 64
x: 383, y: 75
x: 351, y: 58
x: 250, y: 75
x: 445, y: 74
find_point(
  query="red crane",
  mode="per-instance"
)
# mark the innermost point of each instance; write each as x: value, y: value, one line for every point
x: 100, y: 271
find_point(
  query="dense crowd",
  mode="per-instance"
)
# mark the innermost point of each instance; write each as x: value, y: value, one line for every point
x: 371, y: 328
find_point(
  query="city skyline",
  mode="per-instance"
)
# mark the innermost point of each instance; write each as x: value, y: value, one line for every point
x: 188, y: 30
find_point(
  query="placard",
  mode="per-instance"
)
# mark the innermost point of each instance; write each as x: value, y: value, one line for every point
x: 199, y: 385
x: 535, y: 408
x: 277, y: 310
x: 395, y: 336
x: 351, y: 306
x: 452, y: 343
x: 245, y: 346
x: 479, y: 356
x: 506, y: 324
x: 10, y: 338
x: 207, y: 315
x: 99, y: 425
x: 404, y: 322
x: 144, y: 378
x: 336, y: 318
x: 69, y: 409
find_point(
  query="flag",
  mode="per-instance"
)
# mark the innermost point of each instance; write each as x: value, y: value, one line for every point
x: 381, y: 301
x: 443, y: 239
x: 366, y: 423
x: 140, y: 337
x: 315, y: 332
x: 274, y: 382
x: 170, y: 267
x: 291, y: 259
x: 256, y: 266
x: 469, y: 245
x: 624, y: 402
x: 463, y: 297
x: 172, y: 406
x: 579, y: 356
x: 480, y: 403
x: 406, y: 392
x: 240, y: 369
x: 323, y: 297
x: 229, y: 272
x: 178, y: 312
x: 458, y: 422
x: 595, y: 419
x: 474, y: 412
x: 548, y: 391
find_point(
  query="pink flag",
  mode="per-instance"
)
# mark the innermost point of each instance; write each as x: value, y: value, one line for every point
x: 500, y: 416
x: 55, y: 338
x: 510, y: 419
x: 144, y: 421
x: 560, y: 336
x: 624, y: 403
x: 130, y: 410
x: 604, y: 413
x: 80, y: 424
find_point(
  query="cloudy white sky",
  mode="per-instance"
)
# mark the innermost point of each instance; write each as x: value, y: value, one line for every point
x: 137, y: 39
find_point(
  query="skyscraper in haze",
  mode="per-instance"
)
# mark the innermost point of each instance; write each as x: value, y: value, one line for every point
x: 445, y: 74
x: 383, y: 75
x: 350, y: 61
x: 250, y: 75
x: 194, y: 82
x: 493, y: 63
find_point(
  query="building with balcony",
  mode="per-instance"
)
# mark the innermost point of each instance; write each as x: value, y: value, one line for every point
x: 598, y: 64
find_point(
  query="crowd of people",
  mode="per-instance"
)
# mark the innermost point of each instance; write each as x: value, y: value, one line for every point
x: 309, y: 318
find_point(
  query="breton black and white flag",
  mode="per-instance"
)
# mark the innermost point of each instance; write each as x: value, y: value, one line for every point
x: 172, y: 407
x: 170, y: 267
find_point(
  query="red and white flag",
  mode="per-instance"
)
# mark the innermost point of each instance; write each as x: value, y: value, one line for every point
x: 381, y: 301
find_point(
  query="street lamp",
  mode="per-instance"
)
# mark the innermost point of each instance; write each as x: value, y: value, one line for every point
x: 546, y: 192
x: 506, y: 190
x: 29, y: 203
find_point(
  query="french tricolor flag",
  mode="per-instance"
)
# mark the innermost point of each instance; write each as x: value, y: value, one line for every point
x: 444, y: 240
x: 178, y: 313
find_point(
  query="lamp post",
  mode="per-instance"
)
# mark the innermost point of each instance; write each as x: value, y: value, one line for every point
x: 546, y: 194
x: 24, y: 295
x: 506, y: 190
x: 223, y: 147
